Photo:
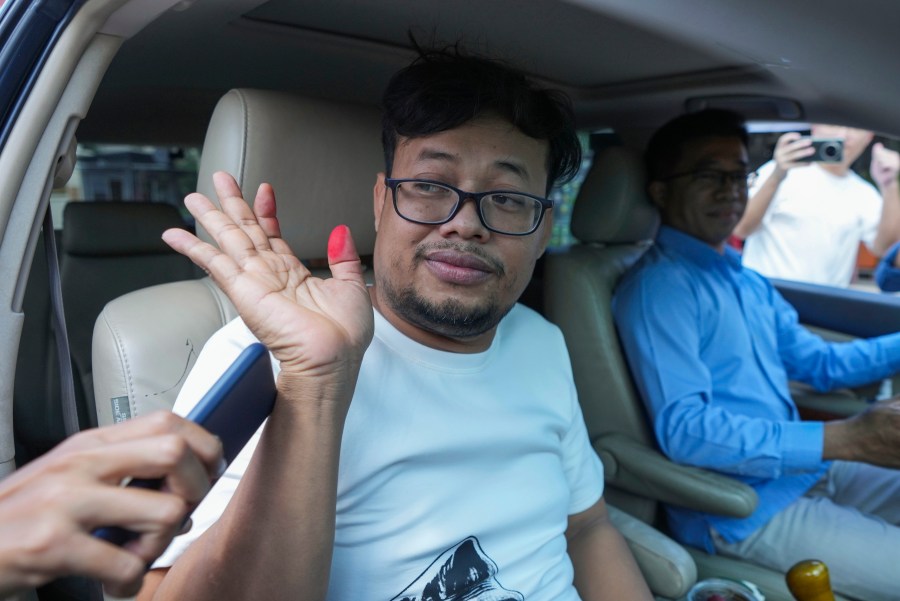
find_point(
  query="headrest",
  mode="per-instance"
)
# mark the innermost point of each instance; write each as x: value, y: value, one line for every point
x: 612, y: 206
x: 320, y: 156
x: 117, y: 228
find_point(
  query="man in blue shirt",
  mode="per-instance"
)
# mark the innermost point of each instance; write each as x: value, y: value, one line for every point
x: 712, y: 346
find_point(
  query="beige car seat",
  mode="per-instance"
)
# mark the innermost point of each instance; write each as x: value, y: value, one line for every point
x: 109, y: 249
x: 105, y: 250
x: 614, y: 223
x: 321, y: 157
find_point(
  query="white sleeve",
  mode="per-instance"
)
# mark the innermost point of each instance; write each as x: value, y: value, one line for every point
x: 222, y: 348
x: 582, y: 466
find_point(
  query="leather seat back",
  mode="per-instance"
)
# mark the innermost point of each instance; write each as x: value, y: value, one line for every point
x: 109, y: 249
x: 614, y: 223
x: 320, y: 156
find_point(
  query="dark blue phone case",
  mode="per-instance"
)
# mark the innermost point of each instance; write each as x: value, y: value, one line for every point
x: 233, y: 409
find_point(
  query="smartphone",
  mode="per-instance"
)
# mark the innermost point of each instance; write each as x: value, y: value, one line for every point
x: 233, y: 409
x: 826, y: 150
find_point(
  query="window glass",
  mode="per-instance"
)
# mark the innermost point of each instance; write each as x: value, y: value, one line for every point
x: 821, y: 220
x: 122, y: 173
x: 564, y: 195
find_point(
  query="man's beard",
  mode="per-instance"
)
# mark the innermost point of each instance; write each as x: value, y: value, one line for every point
x: 451, y: 317
x: 448, y: 318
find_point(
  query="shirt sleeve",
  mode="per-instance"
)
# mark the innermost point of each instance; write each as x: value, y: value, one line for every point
x: 582, y: 466
x: 659, y: 323
x: 829, y: 365
x: 886, y: 275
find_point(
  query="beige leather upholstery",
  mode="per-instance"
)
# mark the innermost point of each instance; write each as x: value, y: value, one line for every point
x: 615, y: 222
x: 146, y: 342
x: 320, y: 156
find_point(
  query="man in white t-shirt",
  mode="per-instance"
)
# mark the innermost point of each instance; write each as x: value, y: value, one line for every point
x: 462, y: 467
x: 805, y: 220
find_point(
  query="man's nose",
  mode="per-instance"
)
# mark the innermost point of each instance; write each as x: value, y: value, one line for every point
x: 467, y: 221
x: 733, y: 184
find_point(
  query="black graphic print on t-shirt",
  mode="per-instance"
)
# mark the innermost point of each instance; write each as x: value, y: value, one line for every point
x: 463, y: 572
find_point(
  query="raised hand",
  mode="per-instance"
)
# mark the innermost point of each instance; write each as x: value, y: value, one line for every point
x: 49, y: 508
x: 885, y: 165
x: 312, y: 326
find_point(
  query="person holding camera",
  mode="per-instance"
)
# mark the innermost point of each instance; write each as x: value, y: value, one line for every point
x: 809, y: 210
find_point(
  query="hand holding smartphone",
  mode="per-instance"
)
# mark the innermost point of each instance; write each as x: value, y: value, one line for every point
x: 233, y: 409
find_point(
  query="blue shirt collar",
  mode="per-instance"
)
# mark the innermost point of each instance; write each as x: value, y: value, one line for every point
x: 697, y: 251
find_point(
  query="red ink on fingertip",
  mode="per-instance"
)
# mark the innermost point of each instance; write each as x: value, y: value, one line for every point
x: 337, y: 241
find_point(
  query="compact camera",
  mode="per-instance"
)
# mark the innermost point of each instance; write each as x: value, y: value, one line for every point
x: 826, y: 150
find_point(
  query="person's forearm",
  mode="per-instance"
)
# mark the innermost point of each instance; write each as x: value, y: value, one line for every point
x: 604, y: 566
x: 275, y: 538
x: 889, y: 225
x: 758, y: 204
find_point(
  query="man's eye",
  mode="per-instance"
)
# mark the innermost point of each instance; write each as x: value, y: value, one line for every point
x: 708, y: 176
x: 426, y: 189
x: 508, y: 201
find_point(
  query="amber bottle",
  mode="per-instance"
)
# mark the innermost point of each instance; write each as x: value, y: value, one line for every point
x: 808, y: 581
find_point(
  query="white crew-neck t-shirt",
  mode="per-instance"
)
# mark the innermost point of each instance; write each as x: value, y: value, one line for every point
x: 458, y: 471
x: 812, y: 230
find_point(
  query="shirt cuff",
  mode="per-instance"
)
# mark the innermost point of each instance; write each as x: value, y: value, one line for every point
x: 890, y: 345
x: 804, y: 443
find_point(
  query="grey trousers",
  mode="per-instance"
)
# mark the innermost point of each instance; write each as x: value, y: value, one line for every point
x: 850, y: 520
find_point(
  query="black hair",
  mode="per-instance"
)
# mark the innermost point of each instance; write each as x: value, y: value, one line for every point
x: 665, y: 147
x: 444, y: 89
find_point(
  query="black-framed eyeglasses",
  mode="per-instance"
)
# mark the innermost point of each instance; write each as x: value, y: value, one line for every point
x: 716, y: 177
x: 432, y: 203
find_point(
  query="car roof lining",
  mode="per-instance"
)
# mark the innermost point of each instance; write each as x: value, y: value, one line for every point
x: 644, y: 57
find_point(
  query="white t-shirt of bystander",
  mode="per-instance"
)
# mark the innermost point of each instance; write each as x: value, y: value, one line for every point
x: 813, y: 227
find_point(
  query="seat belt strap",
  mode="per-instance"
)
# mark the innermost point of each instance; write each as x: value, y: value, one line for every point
x: 58, y: 317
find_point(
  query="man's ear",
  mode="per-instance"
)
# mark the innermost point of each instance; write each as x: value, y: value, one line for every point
x: 657, y: 193
x: 379, y: 193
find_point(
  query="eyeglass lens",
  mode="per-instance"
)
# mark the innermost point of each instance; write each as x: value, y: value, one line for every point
x: 721, y: 178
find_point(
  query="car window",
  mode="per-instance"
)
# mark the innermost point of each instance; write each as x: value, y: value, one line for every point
x: 820, y: 223
x: 564, y: 195
x: 126, y: 173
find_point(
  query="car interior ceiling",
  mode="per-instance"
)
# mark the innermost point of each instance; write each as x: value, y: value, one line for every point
x: 691, y: 58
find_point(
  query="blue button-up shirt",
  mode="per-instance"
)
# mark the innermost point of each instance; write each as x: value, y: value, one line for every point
x: 712, y: 346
